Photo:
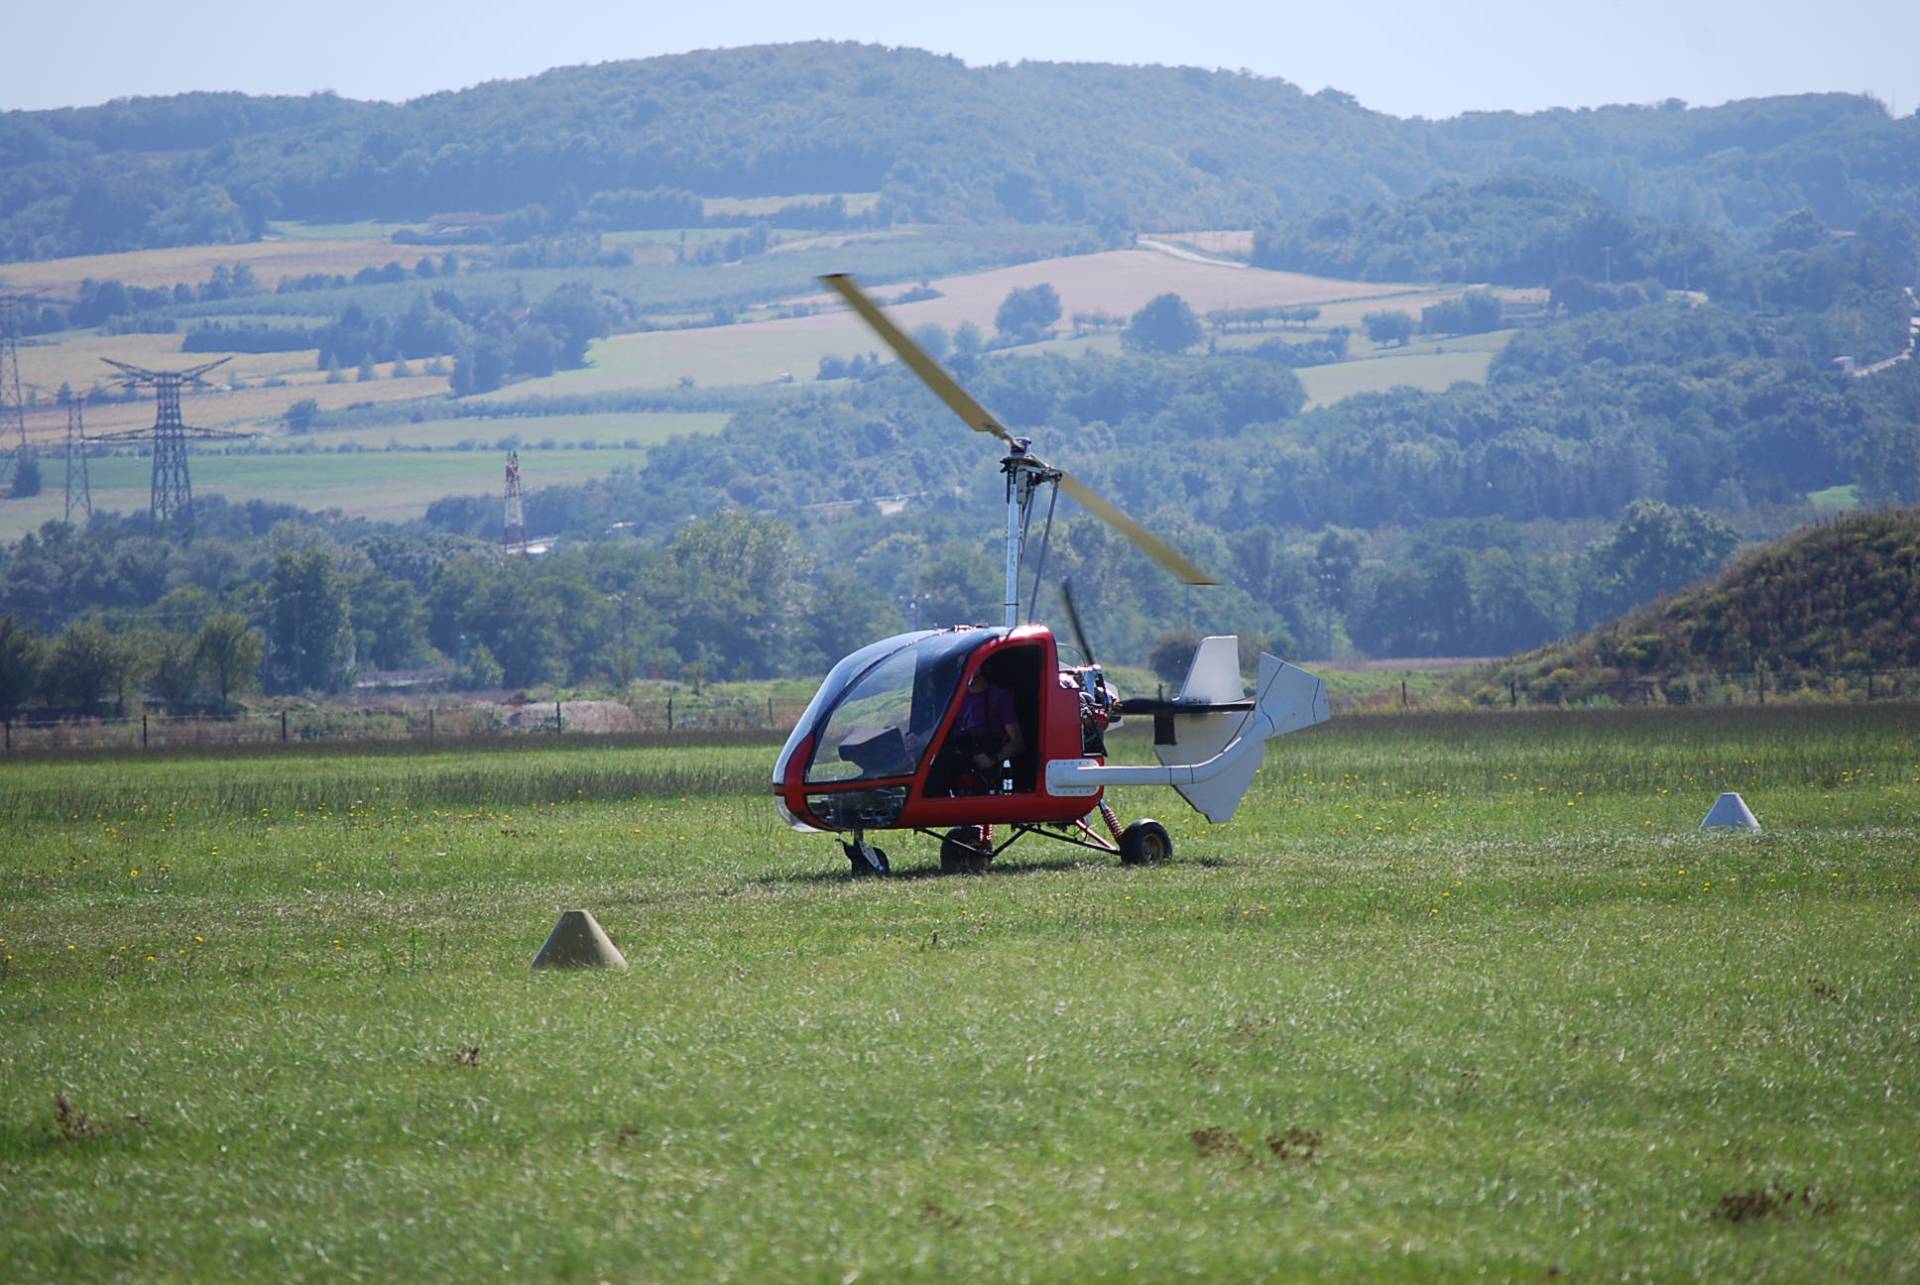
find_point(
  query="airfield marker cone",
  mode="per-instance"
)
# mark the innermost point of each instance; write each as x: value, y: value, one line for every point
x: 578, y: 941
x: 1730, y: 812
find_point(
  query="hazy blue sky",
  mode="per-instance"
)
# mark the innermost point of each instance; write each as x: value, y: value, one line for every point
x: 1429, y: 59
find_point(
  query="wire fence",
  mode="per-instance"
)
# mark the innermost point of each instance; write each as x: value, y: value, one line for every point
x: 677, y: 716
x: 689, y: 717
x: 1565, y: 689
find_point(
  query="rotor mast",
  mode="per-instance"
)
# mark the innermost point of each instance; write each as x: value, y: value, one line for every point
x: 1025, y: 474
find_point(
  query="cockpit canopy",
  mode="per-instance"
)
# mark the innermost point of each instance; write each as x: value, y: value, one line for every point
x: 879, y: 709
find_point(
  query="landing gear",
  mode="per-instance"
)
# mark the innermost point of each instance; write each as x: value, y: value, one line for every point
x: 866, y: 859
x: 1145, y: 843
x: 966, y: 849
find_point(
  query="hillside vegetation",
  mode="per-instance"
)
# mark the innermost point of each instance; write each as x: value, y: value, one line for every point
x: 636, y: 143
x: 1841, y: 596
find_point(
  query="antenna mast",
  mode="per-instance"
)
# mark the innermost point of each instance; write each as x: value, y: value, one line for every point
x: 513, y: 531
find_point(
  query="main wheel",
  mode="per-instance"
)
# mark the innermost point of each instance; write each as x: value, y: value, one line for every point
x: 964, y: 851
x: 1145, y: 843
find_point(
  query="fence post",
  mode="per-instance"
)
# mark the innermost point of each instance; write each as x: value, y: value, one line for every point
x: 1760, y: 683
x: 283, y: 725
x: 1869, y: 684
x: 669, y: 711
x: 9, y: 736
x: 143, y: 729
x: 1513, y: 693
x: 429, y: 724
x: 558, y: 724
x: 769, y: 712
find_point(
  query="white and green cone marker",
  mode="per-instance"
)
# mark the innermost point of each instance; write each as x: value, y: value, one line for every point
x: 578, y: 941
x: 1730, y: 812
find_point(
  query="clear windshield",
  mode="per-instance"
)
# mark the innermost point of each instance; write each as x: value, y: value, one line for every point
x: 849, y: 668
x: 881, y: 724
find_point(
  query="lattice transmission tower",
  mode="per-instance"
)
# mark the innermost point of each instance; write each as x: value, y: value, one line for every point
x: 77, y: 454
x: 13, y: 406
x: 513, y: 530
x: 171, y: 496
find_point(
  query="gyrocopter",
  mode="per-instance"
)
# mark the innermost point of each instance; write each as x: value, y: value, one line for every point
x: 979, y: 735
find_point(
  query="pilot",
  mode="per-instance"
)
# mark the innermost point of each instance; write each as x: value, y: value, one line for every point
x: 986, y: 732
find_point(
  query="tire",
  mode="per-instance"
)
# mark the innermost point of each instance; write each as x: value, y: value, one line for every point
x: 961, y: 851
x: 1145, y: 843
x: 861, y: 870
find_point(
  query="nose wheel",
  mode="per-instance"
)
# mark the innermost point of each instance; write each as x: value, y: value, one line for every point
x: 866, y: 859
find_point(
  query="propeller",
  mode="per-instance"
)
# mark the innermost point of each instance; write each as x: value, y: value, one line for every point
x: 976, y: 417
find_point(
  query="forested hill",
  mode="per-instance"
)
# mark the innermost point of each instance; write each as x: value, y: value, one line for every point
x: 1840, y: 597
x: 1115, y: 147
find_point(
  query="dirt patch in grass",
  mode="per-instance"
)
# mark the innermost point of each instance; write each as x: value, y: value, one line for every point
x: 1774, y: 1201
x: 938, y: 1216
x: 70, y: 1124
x: 1295, y: 1146
x: 1216, y: 1141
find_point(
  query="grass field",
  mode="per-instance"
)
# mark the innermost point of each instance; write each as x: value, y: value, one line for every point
x: 608, y: 428
x: 389, y: 485
x: 1428, y: 371
x: 1452, y: 997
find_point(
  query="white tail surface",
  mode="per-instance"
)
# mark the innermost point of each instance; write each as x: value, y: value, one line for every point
x: 1216, y: 751
x: 1288, y: 699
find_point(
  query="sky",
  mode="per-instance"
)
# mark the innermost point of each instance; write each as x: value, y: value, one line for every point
x: 1427, y: 59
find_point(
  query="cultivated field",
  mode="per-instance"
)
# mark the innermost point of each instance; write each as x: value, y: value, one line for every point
x: 1118, y: 282
x: 308, y: 251
x: 1452, y: 997
x: 391, y: 486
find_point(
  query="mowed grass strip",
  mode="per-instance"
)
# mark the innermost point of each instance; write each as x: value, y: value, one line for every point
x: 1469, y: 996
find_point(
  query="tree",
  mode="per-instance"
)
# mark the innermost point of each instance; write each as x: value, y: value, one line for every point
x: 88, y: 665
x: 934, y: 339
x: 1388, y: 327
x: 1166, y: 325
x: 1026, y: 313
x: 576, y: 317
x: 1655, y: 549
x: 1172, y: 654
x: 22, y: 654
x: 26, y: 475
x: 228, y: 652
x: 302, y: 415
x: 175, y: 665
x: 309, y: 624
x: 967, y: 342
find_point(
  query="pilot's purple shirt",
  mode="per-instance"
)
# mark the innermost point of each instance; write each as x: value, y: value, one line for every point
x: 986, y: 713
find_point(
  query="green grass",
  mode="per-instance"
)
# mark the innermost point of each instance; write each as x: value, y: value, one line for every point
x: 1421, y: 367
x: 1835, y: 499
x: 1501, y: 1008
x: 608, y: 428
x: 389, y: 485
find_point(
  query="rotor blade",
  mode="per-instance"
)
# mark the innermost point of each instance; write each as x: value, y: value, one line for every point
x: 915, y: 357
x: 1073, y: 618
x: 1150, y: 544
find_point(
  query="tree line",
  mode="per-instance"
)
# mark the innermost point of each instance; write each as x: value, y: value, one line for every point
x: 1088, y: 145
